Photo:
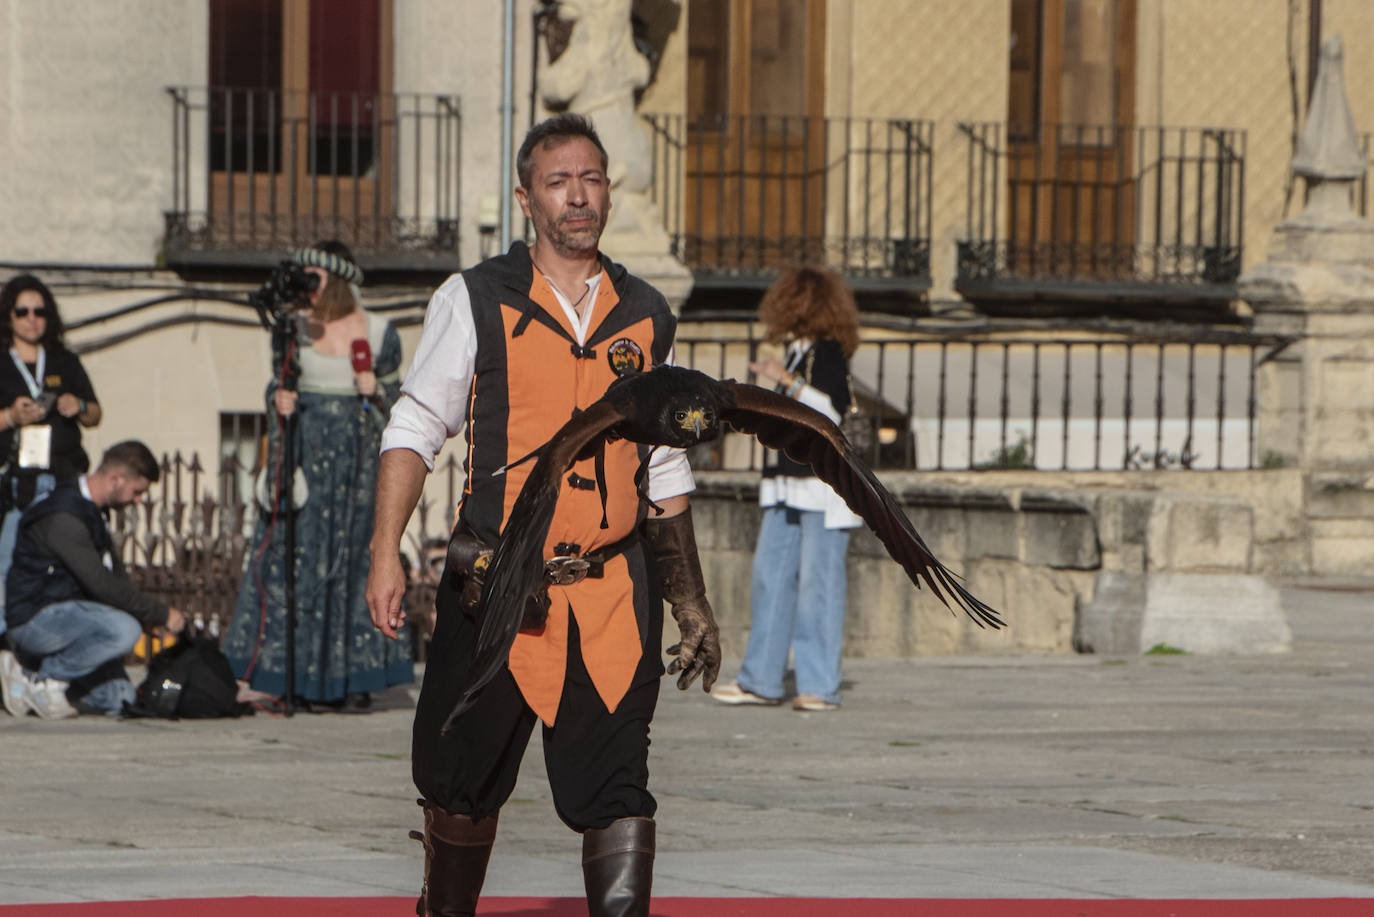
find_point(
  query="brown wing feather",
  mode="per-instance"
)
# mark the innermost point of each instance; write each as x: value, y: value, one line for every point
x: 517, y: 565
x: 809, y: 437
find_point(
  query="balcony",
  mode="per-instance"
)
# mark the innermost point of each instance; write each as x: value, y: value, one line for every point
x: 258, y: 172
x: 1106, y: 215
x: 741, y: 196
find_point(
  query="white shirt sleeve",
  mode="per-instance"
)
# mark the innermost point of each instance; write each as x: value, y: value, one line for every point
x: 814, y: 398
x: 808, y: 394
x: 669, y: 473
x: 433, y: 402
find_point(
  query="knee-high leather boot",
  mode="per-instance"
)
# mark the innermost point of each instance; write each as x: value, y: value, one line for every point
x: 618, y: 867
x: 457, y: 848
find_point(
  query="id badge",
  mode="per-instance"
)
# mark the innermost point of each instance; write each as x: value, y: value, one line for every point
x: 35, y: 446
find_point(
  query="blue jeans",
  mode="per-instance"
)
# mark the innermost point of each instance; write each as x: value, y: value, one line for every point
x: 82, y: 643
x: 798, y: 600
x: 9, y: 529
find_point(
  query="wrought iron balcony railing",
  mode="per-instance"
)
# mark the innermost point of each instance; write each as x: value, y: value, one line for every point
x: 259, y: 171
x: 1112, y: 212
x: 740, y: 196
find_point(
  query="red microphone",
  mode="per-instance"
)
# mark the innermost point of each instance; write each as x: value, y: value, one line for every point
x: 361, y: 352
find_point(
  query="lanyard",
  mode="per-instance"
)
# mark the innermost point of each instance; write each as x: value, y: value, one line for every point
x: 35, y: 387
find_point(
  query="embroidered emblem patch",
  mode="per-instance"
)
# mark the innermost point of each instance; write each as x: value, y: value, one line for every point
x: 625, y: 357
x: 479, y: 566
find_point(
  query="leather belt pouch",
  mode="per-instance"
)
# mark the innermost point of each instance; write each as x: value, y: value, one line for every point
x: 468, y: 558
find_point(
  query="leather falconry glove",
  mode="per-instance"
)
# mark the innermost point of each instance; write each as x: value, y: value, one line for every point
x: 679, y: 570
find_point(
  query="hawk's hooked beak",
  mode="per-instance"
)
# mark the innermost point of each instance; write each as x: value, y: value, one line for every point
x: 695, y: 421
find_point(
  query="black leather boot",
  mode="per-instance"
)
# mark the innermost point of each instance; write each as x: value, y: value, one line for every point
x: 457, y: 848
x: 618, y: 868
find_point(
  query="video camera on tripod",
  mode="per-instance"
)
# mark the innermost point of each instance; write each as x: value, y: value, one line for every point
x: 288, y: 283
x: 275, y: 302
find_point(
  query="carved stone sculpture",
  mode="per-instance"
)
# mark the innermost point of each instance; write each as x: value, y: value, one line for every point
x: 597, y: 75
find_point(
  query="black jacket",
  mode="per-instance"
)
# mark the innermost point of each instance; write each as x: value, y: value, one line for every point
x: 824, y: 367
x: 64, y: 552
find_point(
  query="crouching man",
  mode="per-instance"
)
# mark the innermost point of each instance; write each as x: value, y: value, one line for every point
x: 72, y: 612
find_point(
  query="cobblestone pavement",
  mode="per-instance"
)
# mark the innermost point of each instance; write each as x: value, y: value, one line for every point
x: 990, y: 776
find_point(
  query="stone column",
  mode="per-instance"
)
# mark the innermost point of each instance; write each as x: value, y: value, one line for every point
x: 1317, y: 397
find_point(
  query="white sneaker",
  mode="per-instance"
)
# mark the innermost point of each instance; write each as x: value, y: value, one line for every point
x: 15, y: 684
x: 49, y: 699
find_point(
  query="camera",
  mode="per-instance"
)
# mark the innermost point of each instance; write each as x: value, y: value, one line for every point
x: 288, y: 283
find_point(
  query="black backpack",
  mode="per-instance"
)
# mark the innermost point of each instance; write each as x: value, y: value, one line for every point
x: 192, y: 679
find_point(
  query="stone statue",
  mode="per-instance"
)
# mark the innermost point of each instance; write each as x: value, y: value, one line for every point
x: 1329, y: 156
x: 597, y: 75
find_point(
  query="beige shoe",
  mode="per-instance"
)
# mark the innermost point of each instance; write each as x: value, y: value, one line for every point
x: 733, y: 694
x: 810, y: 703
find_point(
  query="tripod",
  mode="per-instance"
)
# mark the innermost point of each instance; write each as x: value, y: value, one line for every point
x: 286, y: 369
x: 288, y: 283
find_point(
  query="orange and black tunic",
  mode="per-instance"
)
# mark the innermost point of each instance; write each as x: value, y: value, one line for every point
x: 531, y: 376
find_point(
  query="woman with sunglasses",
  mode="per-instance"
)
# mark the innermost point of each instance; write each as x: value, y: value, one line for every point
x: 45, y: 399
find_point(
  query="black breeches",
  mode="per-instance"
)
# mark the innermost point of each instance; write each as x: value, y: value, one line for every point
x: 597, y: 761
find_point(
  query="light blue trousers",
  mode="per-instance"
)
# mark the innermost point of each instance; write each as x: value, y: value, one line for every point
x: 82, y: 642
x: 798, y: 603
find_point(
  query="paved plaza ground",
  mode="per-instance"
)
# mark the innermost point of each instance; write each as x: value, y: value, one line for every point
x: 990, y: 776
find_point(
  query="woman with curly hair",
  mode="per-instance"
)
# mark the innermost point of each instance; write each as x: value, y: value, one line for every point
x: 798, y: 591
x: 45, y: 399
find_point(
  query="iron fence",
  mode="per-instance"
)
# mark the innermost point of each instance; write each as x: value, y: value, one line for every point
x: 1113, y: 205
x: 190, y: 540
x: 257, y: 170
x: 744, y: 195
x: 957, y: 403
x: 934, y: 402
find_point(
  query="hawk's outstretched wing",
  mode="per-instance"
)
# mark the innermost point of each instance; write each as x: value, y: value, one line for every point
x: 809, y: 437
x: 678, y: 407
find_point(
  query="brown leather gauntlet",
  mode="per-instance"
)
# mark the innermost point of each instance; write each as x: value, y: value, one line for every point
x: 679, y: 570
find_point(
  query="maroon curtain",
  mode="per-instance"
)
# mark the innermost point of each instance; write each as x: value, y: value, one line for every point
x: 344, y: 58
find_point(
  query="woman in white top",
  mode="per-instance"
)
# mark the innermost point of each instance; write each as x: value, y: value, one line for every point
x: 798, y: 591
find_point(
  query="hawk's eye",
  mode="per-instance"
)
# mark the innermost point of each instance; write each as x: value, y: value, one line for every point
x: 680, y: 416
x: 708, y: 418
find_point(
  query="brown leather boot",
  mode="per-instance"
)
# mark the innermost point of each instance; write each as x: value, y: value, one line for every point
x: 618, y: 868
x: 457, y: 848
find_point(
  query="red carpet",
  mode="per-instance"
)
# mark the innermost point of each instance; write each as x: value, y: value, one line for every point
x: 722, y: 907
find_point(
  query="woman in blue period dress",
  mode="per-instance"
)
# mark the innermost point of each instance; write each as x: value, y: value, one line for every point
x: 340, y: 657
x: 797, y: 595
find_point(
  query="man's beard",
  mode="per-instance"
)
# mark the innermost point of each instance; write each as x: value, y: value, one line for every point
x: 571, y: 242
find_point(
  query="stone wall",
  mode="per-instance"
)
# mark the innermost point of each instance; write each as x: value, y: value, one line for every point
x: 947, y: 63
x: 85, y: 125
x: 1029, y: 543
